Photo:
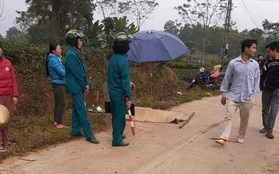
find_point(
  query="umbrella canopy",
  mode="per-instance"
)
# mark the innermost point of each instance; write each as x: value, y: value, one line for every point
x: 154, y: 45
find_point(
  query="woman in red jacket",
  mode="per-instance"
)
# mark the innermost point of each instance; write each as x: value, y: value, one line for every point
x: 8, y: 94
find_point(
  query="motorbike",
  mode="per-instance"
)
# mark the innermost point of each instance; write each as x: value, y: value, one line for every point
x: 206, y: 80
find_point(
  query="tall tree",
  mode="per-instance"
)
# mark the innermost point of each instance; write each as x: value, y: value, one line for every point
x: 108, y: 8
x: 14, y: 35
x: 172, y: 27
x: 271, y: 29
x: 139, y: 10
x: 54, y: 17
x: 136, y: 10
x: 207, y: 13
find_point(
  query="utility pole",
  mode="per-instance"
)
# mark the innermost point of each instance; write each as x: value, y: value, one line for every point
x: 225, y: 45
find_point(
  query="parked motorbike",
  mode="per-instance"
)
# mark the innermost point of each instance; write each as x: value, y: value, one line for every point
x: 206, y: 80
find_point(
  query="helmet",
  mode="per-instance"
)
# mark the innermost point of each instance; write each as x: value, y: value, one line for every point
x: 72, y: 36
x: 121, y: 43
x: 202, y: 69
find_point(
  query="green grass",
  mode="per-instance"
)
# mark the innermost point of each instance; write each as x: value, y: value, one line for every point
x: 34, y: 132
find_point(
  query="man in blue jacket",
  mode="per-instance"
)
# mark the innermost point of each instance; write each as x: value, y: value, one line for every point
x: 77, y: 85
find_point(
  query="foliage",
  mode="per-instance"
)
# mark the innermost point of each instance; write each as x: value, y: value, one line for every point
x: 108, y: 8
x: 92, y: 32
x: 14, y: 35
x: 45, y: 20
x: 172, y: 27
x: 140, y: 9
x: 114, y: 25
x: 271, y: 29
x: 136, y: 10
x: 205, y: 13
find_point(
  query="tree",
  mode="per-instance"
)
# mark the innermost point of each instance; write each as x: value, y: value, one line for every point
x: 136, y: 10
x: 52, y: 18
x: 140, y: 9
x: 271, y: 29
x: 207, y: 13
x: 114, y: 25
x: 14, y: 35
x: 108, y: 8
x: 172, y: 27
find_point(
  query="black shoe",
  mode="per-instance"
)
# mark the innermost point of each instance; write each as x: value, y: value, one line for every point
x: 263, y: 130
x: 122, y: 144
x: 269, y: 135
x: 93, y: 140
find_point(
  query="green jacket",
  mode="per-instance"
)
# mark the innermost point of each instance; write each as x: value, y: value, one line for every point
x: 76, y: 78
x: 119, y: 76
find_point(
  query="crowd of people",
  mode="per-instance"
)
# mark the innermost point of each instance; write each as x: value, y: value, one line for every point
x: 71, y: 78
x: 243, y: 80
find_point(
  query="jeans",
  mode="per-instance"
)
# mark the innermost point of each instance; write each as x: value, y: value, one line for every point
x: 270, y: 105
x: 59, y: 102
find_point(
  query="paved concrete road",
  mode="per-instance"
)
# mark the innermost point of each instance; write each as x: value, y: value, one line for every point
x: 161, y: 148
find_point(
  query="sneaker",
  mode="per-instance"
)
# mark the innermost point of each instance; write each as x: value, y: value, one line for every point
x: 93, y: 140
x: 263, y: 130
x: 240, y: 140
x: 269, y: 135
x: 221, y: 141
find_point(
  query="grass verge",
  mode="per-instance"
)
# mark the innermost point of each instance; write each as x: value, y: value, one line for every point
x: 30, y: 133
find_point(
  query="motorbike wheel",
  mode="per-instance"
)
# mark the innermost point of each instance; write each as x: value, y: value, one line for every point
x: 191, y: 86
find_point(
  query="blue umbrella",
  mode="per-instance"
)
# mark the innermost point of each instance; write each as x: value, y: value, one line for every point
x: 147, y: 46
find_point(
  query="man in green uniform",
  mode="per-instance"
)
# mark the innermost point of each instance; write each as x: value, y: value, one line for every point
x: 77, y: 86
x: 119, y: 87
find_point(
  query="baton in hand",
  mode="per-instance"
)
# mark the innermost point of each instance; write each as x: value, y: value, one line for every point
x: 131, y: 119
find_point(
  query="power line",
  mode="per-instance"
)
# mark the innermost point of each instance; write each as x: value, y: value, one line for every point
x: 249, y: 13
x: 258, y: 10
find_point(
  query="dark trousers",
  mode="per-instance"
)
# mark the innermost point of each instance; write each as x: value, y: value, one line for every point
x: 118, y: 111
x: 59, y: 102
x: 5, y: 100
x: 80, y: 117
x: 270, y: 105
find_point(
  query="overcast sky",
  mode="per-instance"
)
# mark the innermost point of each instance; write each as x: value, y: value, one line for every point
x: 247, y: 14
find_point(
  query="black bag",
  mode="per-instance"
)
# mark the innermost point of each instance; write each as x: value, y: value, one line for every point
x: 108, y: 108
